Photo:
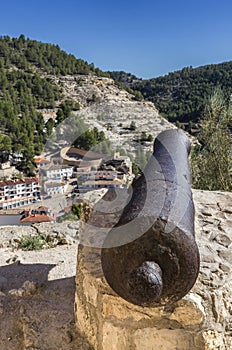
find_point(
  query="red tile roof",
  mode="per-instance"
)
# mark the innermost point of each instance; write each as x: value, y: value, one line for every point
x: 26, y: 180
x: 38, y: 218
x: 42, y: 214
x: 30, y: 180
x: 41, y: 160
x: 43, y: 207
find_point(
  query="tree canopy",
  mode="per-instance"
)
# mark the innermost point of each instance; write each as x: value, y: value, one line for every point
x: 26, y: 87
x: 27, y: 53
x: 181, y: 95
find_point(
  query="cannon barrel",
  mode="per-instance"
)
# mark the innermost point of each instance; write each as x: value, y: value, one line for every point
x: 150, y: 258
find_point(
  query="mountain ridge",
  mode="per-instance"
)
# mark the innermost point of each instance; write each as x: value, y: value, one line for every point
x: 180, y: 96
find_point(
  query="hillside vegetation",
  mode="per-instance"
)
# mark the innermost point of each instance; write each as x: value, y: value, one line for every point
x: 181, y: 96
x: 26, y: 54
x: 26, y: 87
x: 198, y: 100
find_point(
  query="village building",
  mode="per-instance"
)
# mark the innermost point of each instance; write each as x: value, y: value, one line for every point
x: 91, y: 185
x: 79, y: 171
x: 92, y: 170
x: 42, y: 214
x: 7, y: 170
x: 58, y: 171
x: 98, y: 175
x: 17, y: 157
x: 15, y: 193
x: 55, y: 187
x: 42, y: 162
x: 5, y: 164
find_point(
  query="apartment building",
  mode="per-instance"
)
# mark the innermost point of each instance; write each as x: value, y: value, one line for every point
x: 55, y: 187
x: 14, y: 193
x: 98, y: 175
x: 91, y: 185
x: 58, y: 171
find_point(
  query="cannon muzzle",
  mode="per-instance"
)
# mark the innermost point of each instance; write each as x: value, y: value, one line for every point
x: 150, y: 258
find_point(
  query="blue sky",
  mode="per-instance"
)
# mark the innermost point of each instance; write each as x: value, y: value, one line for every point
x: 147, y: 38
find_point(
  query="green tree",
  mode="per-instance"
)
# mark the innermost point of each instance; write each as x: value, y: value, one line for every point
x: 5, y: 144
x: 60, y: 116
x: 49, y: 126
x: 138, y: 95
x: 94, y: 98
x: 135, y: 169
x: 27, y: 164
x: 211, y: 160
x: 150, y: 138
x: 93, y: 139
x: 77, y: 210
x: 86, y: 140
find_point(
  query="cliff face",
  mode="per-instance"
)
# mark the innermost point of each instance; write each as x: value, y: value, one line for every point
x: 110, y: 109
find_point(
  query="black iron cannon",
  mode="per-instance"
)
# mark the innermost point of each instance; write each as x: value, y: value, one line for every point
x: 150, y: 258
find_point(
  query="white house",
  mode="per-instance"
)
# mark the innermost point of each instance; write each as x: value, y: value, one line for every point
x: 14, y: 193
x: 55, y: 187
x: 91, y: 185
x: 58, y: 171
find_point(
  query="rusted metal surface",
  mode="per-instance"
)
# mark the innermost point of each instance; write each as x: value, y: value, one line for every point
x: 150, y: 258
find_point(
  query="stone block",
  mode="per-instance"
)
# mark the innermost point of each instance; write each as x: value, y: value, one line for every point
x: 162, y: 339
x: 115, y: 337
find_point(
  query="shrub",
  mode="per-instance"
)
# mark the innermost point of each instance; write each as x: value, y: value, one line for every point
x: 211, y: 160
x: 32, y: 242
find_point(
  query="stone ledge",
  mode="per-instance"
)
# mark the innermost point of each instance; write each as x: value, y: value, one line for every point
x: 200, y: 321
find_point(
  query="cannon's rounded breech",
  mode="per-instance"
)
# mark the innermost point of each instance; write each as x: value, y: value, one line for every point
x: 150, y: 258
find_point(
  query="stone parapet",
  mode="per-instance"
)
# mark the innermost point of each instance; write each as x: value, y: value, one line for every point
x: 202, y: 320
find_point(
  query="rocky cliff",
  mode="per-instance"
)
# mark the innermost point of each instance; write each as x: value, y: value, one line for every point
x: 112, y: 110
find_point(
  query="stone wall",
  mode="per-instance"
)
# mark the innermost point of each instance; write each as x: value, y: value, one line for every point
x: 202, y: 320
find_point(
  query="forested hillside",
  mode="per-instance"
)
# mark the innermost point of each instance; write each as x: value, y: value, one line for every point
x: 26, y: 54
x: 40, y: 85
x: 181, y: 96
x: 26, y: 88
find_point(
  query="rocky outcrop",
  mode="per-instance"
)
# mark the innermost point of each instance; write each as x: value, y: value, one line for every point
x: 201, y: 321
x: 53, y: 233
x: 112, y: 110
x: 87, y: 89
x: 114, y: 117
